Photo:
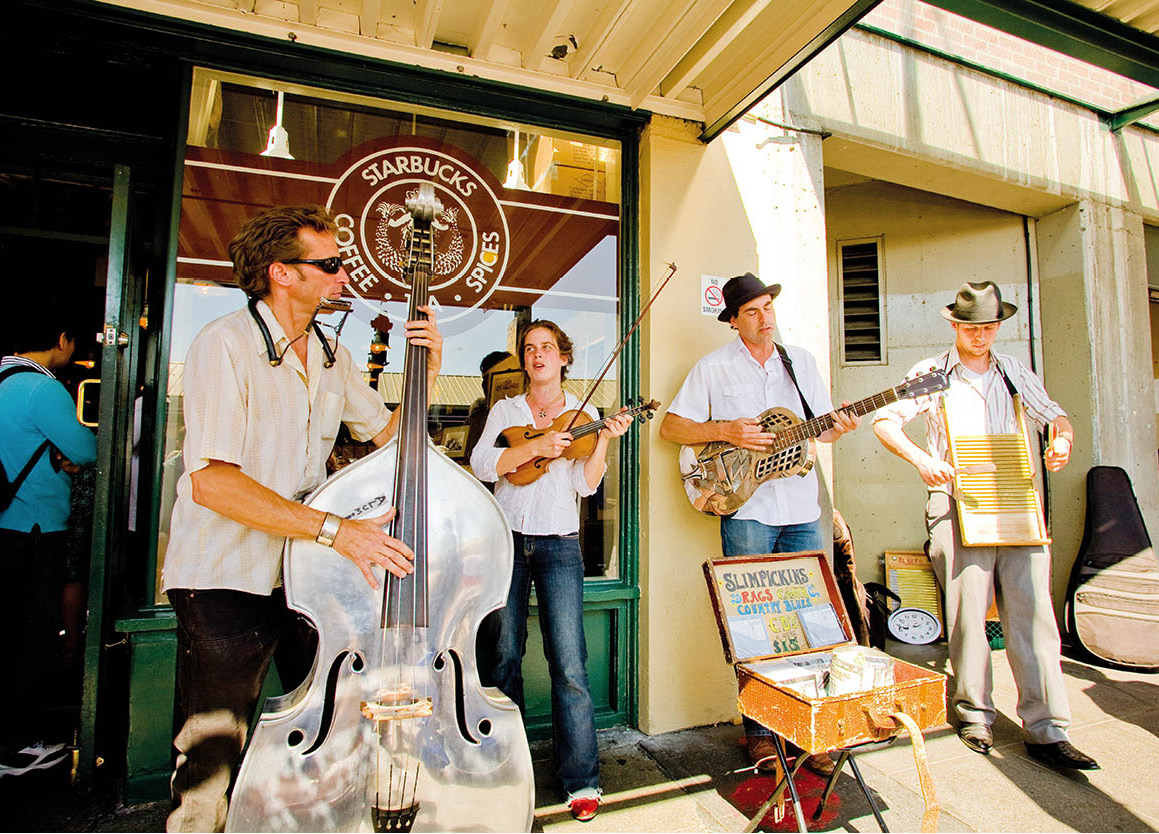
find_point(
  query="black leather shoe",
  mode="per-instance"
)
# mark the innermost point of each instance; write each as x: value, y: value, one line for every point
x: 1062, y: 754
x: 977, y: 737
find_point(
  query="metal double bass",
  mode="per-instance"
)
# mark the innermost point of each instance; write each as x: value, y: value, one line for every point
x: 392, y: 730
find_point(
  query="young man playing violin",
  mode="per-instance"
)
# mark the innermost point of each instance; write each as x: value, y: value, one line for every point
x: 544, y: 518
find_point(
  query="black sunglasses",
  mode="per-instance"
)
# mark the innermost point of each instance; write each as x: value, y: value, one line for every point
x: 328, y: 265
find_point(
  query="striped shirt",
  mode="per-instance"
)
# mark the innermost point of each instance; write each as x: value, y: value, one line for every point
x: 278, y: 424
x: 977, y: 403
x: 14, y: 361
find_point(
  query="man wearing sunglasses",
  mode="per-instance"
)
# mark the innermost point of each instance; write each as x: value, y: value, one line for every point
x: 263, y: 398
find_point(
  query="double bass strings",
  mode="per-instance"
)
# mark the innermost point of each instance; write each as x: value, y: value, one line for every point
x: 408, y: 694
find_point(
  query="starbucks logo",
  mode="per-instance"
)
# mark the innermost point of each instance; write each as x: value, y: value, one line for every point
x: 470, y: 234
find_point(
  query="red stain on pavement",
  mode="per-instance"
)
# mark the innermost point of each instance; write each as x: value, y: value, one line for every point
x: 753, y: 792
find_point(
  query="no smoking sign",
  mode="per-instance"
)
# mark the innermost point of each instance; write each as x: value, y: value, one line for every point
x: 711, y: 295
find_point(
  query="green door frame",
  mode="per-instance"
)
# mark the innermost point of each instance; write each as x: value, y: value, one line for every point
x: 118, y: 366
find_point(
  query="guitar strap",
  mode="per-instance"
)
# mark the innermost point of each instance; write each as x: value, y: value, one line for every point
x: 789, y: 368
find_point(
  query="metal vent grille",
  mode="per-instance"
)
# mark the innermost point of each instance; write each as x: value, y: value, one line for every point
x: 861, y: 302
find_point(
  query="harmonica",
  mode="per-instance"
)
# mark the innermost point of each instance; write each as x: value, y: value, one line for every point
x: 334, y: 305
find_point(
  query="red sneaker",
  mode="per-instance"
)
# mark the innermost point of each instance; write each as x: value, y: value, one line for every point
x: 584, y: 808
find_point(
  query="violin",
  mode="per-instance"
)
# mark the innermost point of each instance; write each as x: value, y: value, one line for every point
x: 392, y: 730
x: 577, y: 421
x: 584, y: 433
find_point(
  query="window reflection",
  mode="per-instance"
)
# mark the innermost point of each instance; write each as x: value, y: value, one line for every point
x: 560, y: 197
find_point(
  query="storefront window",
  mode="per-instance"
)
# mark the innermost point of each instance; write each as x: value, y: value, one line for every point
x: 529, y: 230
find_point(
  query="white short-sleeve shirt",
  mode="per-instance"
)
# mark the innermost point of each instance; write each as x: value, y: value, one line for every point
x: 547, y: 506
x: 730, y: 383
x: 278, y: 424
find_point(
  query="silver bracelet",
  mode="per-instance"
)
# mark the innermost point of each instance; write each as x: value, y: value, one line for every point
x: 329, y: 530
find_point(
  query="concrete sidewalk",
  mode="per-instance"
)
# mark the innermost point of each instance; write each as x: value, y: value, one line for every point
x: 698, y: 779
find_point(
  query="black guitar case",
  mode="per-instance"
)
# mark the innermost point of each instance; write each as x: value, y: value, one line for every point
x: 1112, y: 608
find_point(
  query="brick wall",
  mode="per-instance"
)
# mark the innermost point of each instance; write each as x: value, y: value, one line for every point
x: 1037, y: 65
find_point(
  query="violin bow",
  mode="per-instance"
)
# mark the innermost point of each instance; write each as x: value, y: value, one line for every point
x: 620, y: 346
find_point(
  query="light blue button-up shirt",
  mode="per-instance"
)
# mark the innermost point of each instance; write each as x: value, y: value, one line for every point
x: 34, y: 407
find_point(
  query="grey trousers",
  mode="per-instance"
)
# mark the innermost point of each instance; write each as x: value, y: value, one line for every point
x: 1021, y: 578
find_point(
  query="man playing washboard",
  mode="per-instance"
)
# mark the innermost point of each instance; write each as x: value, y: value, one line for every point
x: 980, y: 401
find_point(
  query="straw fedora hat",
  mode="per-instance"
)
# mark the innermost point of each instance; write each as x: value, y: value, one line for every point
x: 979, y: 304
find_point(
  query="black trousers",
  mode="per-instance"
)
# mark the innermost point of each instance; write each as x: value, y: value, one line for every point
x: 31, y: 576
x: 225, y: 642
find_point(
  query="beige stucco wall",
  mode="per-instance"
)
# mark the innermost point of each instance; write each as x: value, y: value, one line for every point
x: 1091, y: 259
x: 752, y: 200
x: 913, y: 119
x: 929, y: 246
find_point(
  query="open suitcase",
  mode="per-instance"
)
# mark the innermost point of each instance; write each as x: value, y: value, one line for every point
x: 771, y: 608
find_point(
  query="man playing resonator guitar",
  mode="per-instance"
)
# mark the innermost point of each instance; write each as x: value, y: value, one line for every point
x: 720, y: 400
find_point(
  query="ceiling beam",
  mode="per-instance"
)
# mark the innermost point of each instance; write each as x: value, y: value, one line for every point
x: 308, y: 12
x: 546, y: 28
x: 718, y: 118
x: 595, y: 40
x: 673, y: 38
x: 1129, y: 115
x: 245, y: 5
x: 368, y: 18
x: 488, y: 27
x: 426, y: 21
x: 716, y: 40
x: 1071, y: 29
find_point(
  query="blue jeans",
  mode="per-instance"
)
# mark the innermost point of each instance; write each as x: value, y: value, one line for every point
x: 744, y: 537
x: 556, y: 566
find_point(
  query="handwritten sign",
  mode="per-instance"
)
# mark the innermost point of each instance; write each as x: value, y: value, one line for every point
x: 762, y: 602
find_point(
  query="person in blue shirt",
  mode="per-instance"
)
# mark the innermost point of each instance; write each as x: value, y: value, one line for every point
x: 35, y: 409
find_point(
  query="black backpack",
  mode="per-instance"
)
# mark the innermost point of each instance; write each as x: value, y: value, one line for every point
x: 8, y: 489
x: 1112, y: 606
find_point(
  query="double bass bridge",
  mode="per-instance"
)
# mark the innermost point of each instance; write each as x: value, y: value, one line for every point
x: 397, y: 705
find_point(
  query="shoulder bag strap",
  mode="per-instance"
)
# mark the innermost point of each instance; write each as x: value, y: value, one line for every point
x: 14, y: 486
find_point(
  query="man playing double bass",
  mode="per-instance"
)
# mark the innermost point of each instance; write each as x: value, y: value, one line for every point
x: 981, y: 401
x: 263, y: 399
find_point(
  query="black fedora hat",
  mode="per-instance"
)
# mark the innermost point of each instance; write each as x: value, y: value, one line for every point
x: 742, y: 289
x: 979, y: 304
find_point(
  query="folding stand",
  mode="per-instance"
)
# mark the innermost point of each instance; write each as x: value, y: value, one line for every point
x: 843, y: 755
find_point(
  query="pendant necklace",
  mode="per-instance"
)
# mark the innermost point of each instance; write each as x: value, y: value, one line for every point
x: 543, y: 410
